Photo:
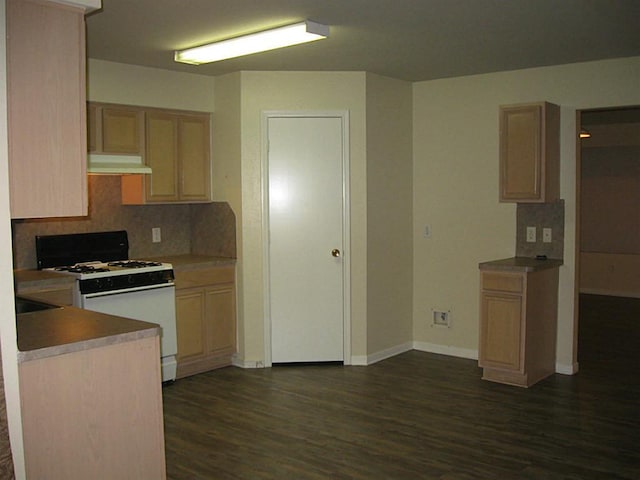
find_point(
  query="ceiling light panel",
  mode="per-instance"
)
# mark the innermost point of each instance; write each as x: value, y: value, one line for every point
x: 295, y: 34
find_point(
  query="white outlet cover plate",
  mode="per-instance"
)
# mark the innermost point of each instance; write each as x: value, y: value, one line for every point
x: 531, y: 234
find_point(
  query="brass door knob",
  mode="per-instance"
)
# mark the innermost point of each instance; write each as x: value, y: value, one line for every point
x: 335, y: 252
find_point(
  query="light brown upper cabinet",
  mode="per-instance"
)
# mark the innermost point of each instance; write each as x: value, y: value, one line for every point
x: 177, y: 149
x: 115, y: 129
x: 530, y: 153
x: 47, y: 132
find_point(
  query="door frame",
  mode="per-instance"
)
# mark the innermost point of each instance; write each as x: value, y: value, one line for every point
x: 346, y: 223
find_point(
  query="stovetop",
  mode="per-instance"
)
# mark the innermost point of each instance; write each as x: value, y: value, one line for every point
x: 106, y: 269
x: 99, y: 259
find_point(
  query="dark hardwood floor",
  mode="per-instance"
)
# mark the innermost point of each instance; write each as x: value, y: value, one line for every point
x: 416, y: 416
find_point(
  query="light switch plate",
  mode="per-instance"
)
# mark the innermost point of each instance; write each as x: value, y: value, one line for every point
x: 156, y: 236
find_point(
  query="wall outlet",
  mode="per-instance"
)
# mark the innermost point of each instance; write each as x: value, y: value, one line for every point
x: 531, y: 234
x: 441, y: 318
x: 546, y: 235
x: 156, y: 236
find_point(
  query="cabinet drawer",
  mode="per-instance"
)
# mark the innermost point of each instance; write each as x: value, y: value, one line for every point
x: 205, y: 276
x: 503, y: 282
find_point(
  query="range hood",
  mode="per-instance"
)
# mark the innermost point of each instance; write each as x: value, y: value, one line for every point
x: 116, y: 164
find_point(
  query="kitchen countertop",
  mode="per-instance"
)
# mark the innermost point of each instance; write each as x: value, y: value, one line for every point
x: 41, y: 278
x: 520, y: 264
x: 188, y: 261
x: 57, y: 331
x: 67, y: 329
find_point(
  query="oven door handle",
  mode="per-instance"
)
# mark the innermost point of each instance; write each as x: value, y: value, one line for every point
x: 128, y: 290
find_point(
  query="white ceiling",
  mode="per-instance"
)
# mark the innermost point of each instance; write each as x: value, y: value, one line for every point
x: 407, y: 39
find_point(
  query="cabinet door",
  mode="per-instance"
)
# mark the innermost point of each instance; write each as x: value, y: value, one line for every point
x: 221, y: 332
x: 530, y: 153
x: 193, y: 158
x: 162, y: 157
x: 190, y: 323
x: 121, y: 131
x: 500, y: 331
x: 47, y: 135
x: 95, y: 413
x: 521, y: 153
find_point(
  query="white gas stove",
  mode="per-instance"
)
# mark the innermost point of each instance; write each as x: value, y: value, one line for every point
x: 108, y: 282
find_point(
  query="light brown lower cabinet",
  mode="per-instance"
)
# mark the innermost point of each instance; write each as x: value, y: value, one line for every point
x: 205, y: 319
x: 518, y: 317
x: 94, y: 413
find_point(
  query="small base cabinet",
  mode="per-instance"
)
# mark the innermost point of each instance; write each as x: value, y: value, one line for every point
x: 205, y: 319
x: 518, y: 316
x: 94, y: 413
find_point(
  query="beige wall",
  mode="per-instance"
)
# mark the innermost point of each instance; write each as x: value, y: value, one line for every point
x: 610, y: 274
x: 389, y: 216
x: 150, y: 87
x: 610, y: 200
x: 227, y: 174
x: 456, y: 187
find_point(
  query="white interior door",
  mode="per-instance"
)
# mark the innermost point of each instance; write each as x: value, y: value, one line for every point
x: 305, y: 197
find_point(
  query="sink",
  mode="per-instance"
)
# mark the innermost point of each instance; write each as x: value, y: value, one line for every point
x: 25, y: 306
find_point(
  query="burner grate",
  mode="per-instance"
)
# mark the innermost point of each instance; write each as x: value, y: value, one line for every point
x: 81, y: 269
x: 134, y: 264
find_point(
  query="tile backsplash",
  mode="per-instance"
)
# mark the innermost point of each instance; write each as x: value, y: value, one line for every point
x: 540, y: 216
x: 207, y: 229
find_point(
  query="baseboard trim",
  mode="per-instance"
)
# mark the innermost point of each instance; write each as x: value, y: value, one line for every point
x: 446, y: 350
x: 363, y: 360
x: 565, y: 369
x: 238, y: 361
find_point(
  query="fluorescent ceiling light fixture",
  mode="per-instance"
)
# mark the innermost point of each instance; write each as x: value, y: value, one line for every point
x: 302, y: 32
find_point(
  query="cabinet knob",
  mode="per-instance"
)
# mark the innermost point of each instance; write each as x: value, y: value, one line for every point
x: 335, y: 252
